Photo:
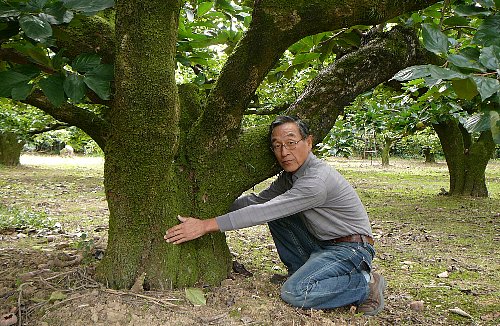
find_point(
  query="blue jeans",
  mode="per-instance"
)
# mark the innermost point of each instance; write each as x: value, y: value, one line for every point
x: 322, y: 275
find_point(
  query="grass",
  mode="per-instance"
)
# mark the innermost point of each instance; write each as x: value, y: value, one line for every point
x: 419, y: 233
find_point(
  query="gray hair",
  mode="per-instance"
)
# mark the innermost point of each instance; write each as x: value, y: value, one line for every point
x: 282, y: 119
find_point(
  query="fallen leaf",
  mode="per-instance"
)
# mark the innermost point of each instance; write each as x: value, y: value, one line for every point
x: 195, y: 296
x: 8, y: 319
x: 444, y: 274
x: 57, y: 296
x: 460, y: 312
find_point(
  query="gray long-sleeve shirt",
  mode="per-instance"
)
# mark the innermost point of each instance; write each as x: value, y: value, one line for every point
x: 329, y: 205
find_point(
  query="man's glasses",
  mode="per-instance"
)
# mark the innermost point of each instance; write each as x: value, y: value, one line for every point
x: 290, y: 145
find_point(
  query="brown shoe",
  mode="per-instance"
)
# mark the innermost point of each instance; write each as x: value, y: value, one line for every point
x: 375, y: 302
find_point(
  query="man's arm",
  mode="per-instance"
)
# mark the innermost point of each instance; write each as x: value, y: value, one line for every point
x: 190, y: 228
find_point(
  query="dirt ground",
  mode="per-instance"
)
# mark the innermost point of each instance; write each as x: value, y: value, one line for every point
x: 46, y: 272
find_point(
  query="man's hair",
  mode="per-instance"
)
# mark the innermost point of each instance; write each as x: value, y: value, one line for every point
x: 304, y: 129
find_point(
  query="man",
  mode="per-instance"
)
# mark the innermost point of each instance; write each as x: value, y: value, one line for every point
x: 317, y: 221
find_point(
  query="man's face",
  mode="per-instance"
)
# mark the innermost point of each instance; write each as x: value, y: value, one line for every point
x: 290, y: 159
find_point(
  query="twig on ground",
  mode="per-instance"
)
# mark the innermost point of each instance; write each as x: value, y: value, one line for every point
x: 66, y: 300
x: 19, y: 298
x: 160, y: 302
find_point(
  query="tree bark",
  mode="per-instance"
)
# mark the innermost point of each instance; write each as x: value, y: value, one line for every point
x: 10, y: 149
x: 388, y: 141
x: 466, y: 159
x: 429, y: 155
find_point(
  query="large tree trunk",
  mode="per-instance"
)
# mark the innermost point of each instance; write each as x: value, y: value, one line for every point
x: 466, y: 159
x: 147, y: 180
x: 10, y: 149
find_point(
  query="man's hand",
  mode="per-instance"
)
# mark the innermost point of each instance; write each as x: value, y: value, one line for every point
x: 189, y: 229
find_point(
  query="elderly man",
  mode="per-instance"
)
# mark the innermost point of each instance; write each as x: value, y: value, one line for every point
x: 318, y: 223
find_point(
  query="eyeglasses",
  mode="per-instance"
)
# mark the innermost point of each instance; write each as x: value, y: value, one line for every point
x: 290, y: 145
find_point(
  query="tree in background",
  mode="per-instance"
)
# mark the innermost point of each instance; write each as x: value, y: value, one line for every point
x: 168, y: 150
x: 462, y: 95
x: 18, y: 123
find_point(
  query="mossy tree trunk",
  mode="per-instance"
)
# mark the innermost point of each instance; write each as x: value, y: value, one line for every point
x: 10, y: 149
x: 388, y: 141
x: 429, y: 155
x: 165, y: 154
x: 466, y: 158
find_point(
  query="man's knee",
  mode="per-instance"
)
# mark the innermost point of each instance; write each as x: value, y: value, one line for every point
x: 293, y: 295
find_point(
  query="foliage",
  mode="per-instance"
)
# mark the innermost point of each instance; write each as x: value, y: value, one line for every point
x: 26, y: 27
x: 23, y: 219
x: 21, y: 119
x: 208, y: 32
x: 54, y: 141
x: 467, y: 36
x: 372, y: 118
x: 413, y: 145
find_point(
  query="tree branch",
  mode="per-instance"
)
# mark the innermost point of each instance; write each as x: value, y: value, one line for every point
x: 55, y: 126
x: 95, y: 126
x: 10, y: 55
x: 275, y: 26
x: 338, y: 84
x: 93, y: 34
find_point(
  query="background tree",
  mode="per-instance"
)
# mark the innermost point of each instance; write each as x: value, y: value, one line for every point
x: 18, y: 123
x: 167, y: 150
x: 464, y: 92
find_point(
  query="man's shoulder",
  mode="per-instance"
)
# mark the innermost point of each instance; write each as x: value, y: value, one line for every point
x: 318, y: 168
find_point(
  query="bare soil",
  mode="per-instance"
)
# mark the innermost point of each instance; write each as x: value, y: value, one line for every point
x: 46, y: 271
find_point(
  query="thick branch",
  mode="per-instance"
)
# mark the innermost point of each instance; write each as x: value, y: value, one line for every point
x: 276, y: 25
x: 92, y: 35
x: 11, y: 55
x: 96, y: 127
x: 338, y: 85
x: 55, y: 126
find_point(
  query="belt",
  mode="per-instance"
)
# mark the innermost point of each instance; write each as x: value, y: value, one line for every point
x: 354, y: 238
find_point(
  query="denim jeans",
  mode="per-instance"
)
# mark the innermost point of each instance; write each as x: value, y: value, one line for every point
x: 323, y: 275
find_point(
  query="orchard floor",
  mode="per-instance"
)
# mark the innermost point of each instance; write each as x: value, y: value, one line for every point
x: 437, y: 250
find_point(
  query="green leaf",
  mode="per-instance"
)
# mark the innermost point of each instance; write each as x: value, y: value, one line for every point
x: 477, y: 122
x: 36, y: 27
x: 103, y: 71
x: 456, y: 21
x: 465, y: 88
x: 305, y: 57
x: 101, y: 87
x: 445, y: 73
x: 86, y: 62
x: 88, y: 6
x: 434, y: 40
x: 463, y: 62
x: 196, y: 296
x: 486, y: 86
x: 7, y: 11
x: 74, y: 87
x: 471, y: 10
x: 204, y: 7
x: 486, y: 3
x: 490, y: 57
x: 53, y: 88
x: 21, y: 91
x: 495, y: 126
x: 488, y: 33
x: 58, y: 14
x: 9, y: 80
x: 413, y: 72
